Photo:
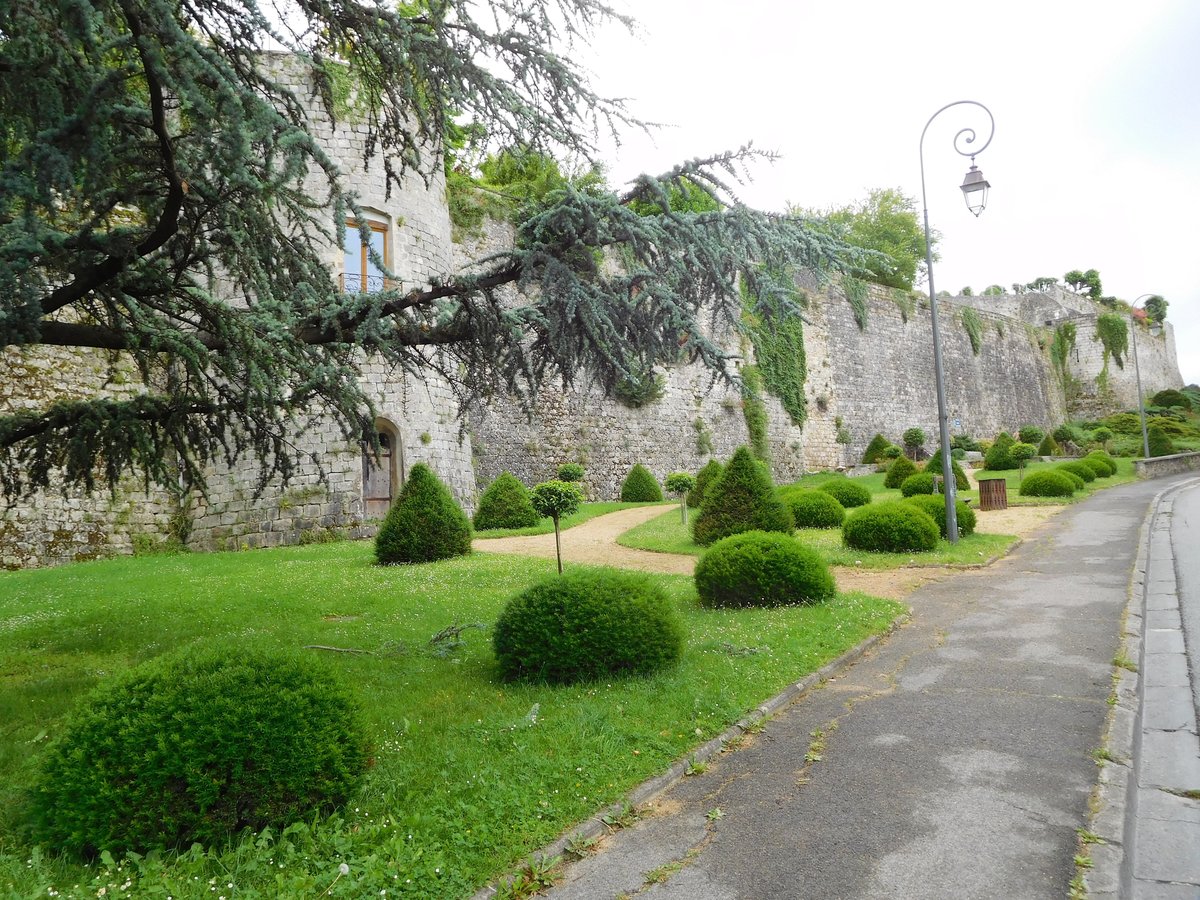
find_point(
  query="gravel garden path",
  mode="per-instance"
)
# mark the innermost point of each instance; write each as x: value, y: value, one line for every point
x: 595, y: 542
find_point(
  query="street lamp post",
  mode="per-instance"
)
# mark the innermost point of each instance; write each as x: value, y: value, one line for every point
x: 1137, y: 371
x: 975, y: 190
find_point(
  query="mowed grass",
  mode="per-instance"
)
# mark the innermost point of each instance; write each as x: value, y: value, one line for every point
x: 1013, y: 478
x: 585, y: 512
x: 471, y: 774
x: 666, y: 534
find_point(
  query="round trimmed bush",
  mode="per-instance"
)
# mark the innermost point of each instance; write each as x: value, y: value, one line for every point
x: 760, y: 569
x: 895, y: 526
x: 1076, y: 482
x: 706, y: 476
x: 640, y: 486
x: 1077, y: 467
x: 742, y: 499
x: 900, y: 469
x: 812, y: 509
x: 505, y: 504
x: 1098, y: 466
x: 196, y: 747
x: 423, y: 524
x: 1047, y: 483
x: 1105, y: 458
x: 1030, y: 434
x: 587, y: 625
x: 921, y: 483
x: 934, y: 467
x: 935, y: 506
x: 570, y: 472
x: 846, y: 492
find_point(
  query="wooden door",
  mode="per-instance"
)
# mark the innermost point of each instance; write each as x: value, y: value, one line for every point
x: 378, y: 489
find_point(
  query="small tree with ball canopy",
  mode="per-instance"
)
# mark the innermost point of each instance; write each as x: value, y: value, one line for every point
x: 556, y: 499
x: 679, y: 483
x: 1022, y: 453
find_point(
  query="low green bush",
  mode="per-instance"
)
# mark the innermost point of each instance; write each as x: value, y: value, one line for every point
x: 934, y: 467
x: 570, y: 472
x: 640, y: 486
x: 1047, y: 447
x: 998, y: 457
x: 1076, y: 482
x: 1171, y: 397
x: 587, y: 625
x: 1076, y: 467
x: 425, y: 523
x: 1160, y: 443
x: 921, y: 483
x: 505, y: 504
x: 742, y: 499
x: 935, y: 506
x: 900, y: 469
x: 812, y: 509
x: 1030, y: 434
x: 894, y: 526
x: 760, y: 569
x: 1047, y: 483
x: 1104, y: 458
x: 197, y: 747
x: 706, y: 476
x: 1098, y: 466
x: 846, y: 492
x: 875, y: 449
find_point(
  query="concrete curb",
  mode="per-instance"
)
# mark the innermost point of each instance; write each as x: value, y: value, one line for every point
x: 650, y: 790
x: 1115, y: 796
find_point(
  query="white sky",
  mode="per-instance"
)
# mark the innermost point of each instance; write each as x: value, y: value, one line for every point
x: 1094, y: 162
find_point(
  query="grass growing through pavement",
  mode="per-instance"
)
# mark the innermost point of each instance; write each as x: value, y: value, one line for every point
x: 546, y: 526
x: 665, y: 534
x: 470, y: 775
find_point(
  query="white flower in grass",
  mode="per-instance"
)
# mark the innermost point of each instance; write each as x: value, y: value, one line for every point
x: 344, y: 869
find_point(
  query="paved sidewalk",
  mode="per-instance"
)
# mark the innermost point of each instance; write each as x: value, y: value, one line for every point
x: 953, y: 761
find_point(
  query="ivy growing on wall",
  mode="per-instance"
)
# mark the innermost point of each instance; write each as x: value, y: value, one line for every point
x: 973, y: 325
x: 856, y: 295
x: 779, y: 350
x: 1060, y: 351
x: 906, y: 301
x: 1113, y: 334
x: 755, y: 412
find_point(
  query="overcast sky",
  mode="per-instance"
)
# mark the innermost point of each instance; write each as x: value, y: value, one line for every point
x: 1094, y: 163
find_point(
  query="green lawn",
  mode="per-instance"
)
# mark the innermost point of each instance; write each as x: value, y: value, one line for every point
x: 1012, y: 477
x: 666, y: 534
x: 586, y: 511
x: 471, y: 774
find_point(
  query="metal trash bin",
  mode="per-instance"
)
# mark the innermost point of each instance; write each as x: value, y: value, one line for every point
x: 993, y: 494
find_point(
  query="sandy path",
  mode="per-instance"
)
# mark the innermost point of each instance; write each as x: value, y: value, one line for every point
x: 594, y: 542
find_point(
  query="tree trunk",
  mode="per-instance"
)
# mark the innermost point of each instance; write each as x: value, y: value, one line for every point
x: 557, y: 546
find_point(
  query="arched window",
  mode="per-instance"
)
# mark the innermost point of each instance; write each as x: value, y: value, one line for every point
x: 382, y: 477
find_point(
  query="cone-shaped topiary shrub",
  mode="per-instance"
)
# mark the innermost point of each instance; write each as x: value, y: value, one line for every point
x: 998, y: 457
x: 812, y: 509
x: 875, y: 449
x: 505, y: 504
x: 705, y: 477
x: 194, y: 748
x: 755, y: 568
x: 587, y: 625
x: 1098, y: 466
x: 1105, y: 458
x: 846, y: 492
x: 900, y: 469
x: 640, y: 486
x: 1160, y: 442
x: 894, y: 526
x: 934, y: 467
x: 1047, y: 447
x: 1076, y: 467
x: 423, y: 524
x: 1047, y: 483
x: 742, y: 499
x: 921, y: 483
x: 935, y: 506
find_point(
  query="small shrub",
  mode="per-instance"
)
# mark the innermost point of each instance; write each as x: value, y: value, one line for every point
x: 1098, y: 466
x: 556, y: 499
x: 1022, y: 453
x: 1047, y: 447
x: 1171, y: 397
x: 587, y: 625
x: 705, y: 477
x: 505, y: 504
x: 892, y: 452
x: 424, y: 524
x: 1047, y: 483
x: 680, y: 482
x: 846, y: 492
x: 1105, y: 458
x: 570, y: 472
x: 914, y: 439
x: 935, y: 506
x: 1065, y: 433
x: 1102, y: 434
x: 1030, y: 434
x: 1160, y: 443
x: 898, y: 471
x: 812, y: 509
x: 921, y: 483
x: 1077, y: 467
x: 760, y: 569
x: 934, y: 467
x: 874, y: 451
x: 640, y: 486
x: 998, y: 457
x: 894, y: 526
x: 1076, y: 482
x: 742, y: 499
x: 195, y: 748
